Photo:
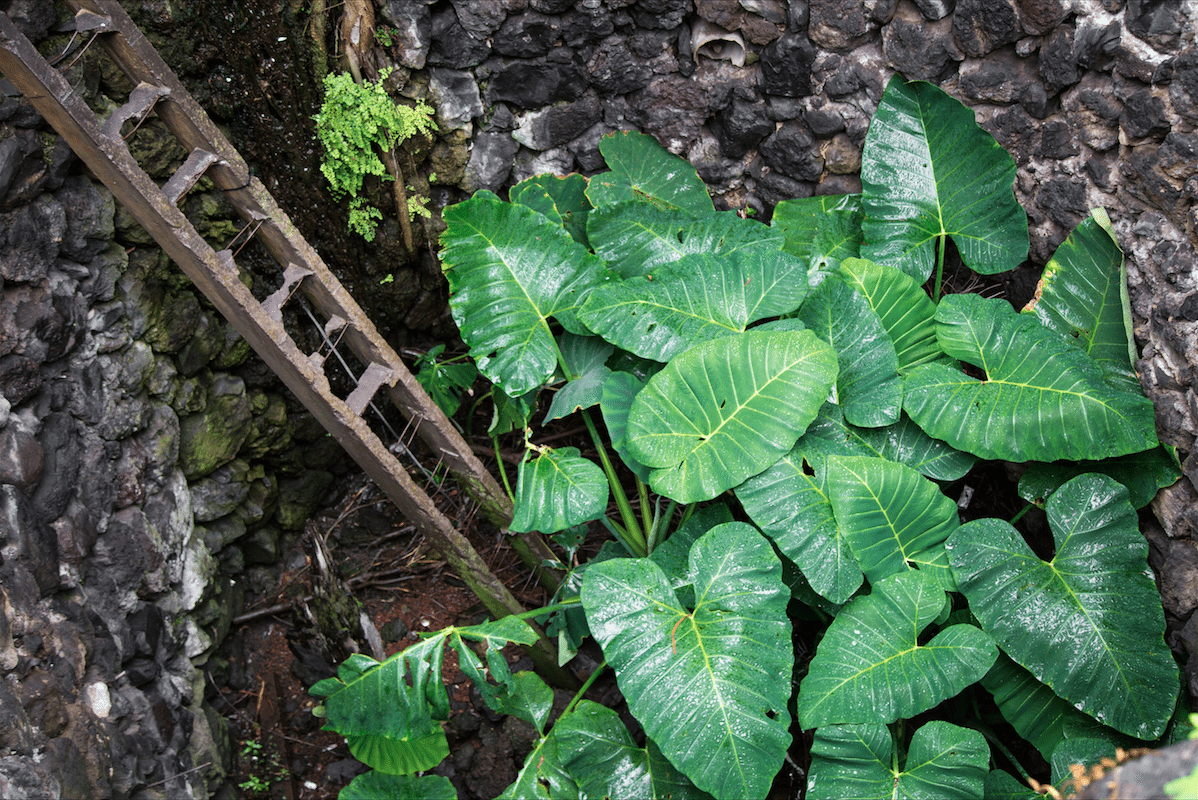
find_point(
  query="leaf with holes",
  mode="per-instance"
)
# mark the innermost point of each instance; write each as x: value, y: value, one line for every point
x: 727, y: 409
x: 1088, y: 623
x: 557, y: 489
x: 704, y: 683
x: 822, y: 231
x: 563, y: 200
x: 928, y: 170
x: 510, y: 270
x: 871, y: 667
x: 1041, y: 399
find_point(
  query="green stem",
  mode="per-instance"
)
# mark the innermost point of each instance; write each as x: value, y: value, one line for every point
x: 1022, y: 511
x: 939, y: 268
x: 561, y: 605
x: 507, y: 487
x: 660, y: 523
x: 618, y: 532
x: 632, y: 528
x: 646, y: 517
x: 585, y: 688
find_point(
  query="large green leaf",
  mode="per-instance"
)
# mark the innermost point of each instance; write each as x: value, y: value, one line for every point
x: 1042, y: 399
x: 381, y: 786
x: 906, y: 311
x: 561, y: 199
x: 585, y: 360
x: 1088, y: 623
x: 929, y: 170
x: 1083, y: 294
x: 1144, y: 474
x: 871, y: 667
x: 893, y: 518
x: 543, y: 777
x: 557, y: 489
x: 697, y: 298
x: 727, y: 409
x: 643, y: 170
x: 868, y: 388
x: 944, y: 762
x: 510, y: 269
x: 636, y: 240
x: 790, y: 503
x: 708, y: 685
x: 822, y: 230
x: 619, y: 391
x: 601, y: 756
x: 1033, y: 710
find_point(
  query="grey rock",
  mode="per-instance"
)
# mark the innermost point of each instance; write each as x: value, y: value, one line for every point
x: 1175, y: 562
x: 1064, y: 201
x: 34, y: 238
x: 491, y: 158
x: 1094, y: 112
x: 980, y: 26
x: 27, y: 538
x: 1057, y: 140
x: 1015, y: 130
x: 792, y: 151
x: 728, y: 14
x: 455, y: 93
x: 774, y: 187
x: 839, y: 25
x: 525, y: 35
x: 480, y: 18
x: 41, y: 172
x: 1000, y: 78
x: 671, y: 109
x: 21, y: 459
x: 20, y: 378
x: 89, y: 211
x: 412, y: 31
x: 1058, y: 66
x: 740, y: 126
x: 556, y: 161
x: 532, y: 84
x: 585, y: 148
x: 213, y: 437
x: 551, y: 6
x: 660, y: 14
x: 823, y: 121
x: 14, y: 151
x: 1042, y: 16
x: 1145, y: 115
x: 786, y: 66
x: 1094, y: 43
x: 718, y: 171
x: 220, y: 492
x: 32, y: 18
x: 933, y: 10
x: 1183, y: 89
x: 558, y: 124
x: 219, y: 533
x: 207, y: 340
x: 261, y: 546
x: 584, y: 25
x: 917, y: 49
x: 1158, y: 23
x: 452, y: 46
x: 1178, y: 155
x: 613, y: 69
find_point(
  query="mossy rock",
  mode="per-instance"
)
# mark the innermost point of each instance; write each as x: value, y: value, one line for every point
x: 299, y: 497
x: 214, y: 437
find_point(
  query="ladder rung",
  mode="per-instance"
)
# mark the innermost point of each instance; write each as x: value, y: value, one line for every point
x: 334, y: 324
x: 89, y: 21
x: 273, y: 305
x: 139, y: 104
x: 186, y: 176
x: 374, y: 377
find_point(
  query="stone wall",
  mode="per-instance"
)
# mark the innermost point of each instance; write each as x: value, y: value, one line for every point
x: 147, y: 463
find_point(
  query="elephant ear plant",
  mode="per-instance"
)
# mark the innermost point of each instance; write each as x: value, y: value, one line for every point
x: 775, y: 415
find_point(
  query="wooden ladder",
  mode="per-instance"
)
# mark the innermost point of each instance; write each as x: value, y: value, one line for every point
x: 100, y: 145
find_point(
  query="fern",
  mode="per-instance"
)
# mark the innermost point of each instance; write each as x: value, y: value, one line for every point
x: 355, y: 122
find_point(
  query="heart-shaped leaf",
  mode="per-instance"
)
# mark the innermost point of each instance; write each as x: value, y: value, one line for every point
x: 822, y: 230
x: 944, y: 762
x: 727, y: 409
x: 1098, y: 637
x: 906, y: 311
x: 643, y: 170
x: 585, y: 360
x: 704, y: 683
x: 870, y: 666
x: 1041, y: 399
x: 697, y: 298
x: 510, y: 269
x: 377, y: 785
x: 893, y: 518
x: 1144, y: 474
x: 561, y: 199
x: 868, y: 388
x: 605, y: 761
x: 929, y: 170
x: 619, y: 390
x: 1083, y: 294
x: 543, y: 777
x: 557, y: 489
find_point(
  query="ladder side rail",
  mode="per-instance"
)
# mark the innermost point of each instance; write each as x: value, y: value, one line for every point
x: 195, y: 129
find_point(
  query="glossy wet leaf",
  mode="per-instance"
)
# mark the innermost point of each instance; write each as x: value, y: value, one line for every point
x: 511, y: 413
x: 377, y: 785
x: 868, y: 388
x: 727, y: 409
x: 602, y: 757
x: 561, y: 199
x: 871, y: 667
x: 704, y: 683
x: 673, y: 555
x: 944, y: 762
x: 557, y: 489
x: 1033, y: 710
x: 585, y: 358
x: 619, y: 390
x: 929, y: 170
x: 695, y: 299
x: 1082, y: 294
x: 1088, y: 623
x: 1144, y: 474
x: 543, y: 776
x: 822, y: 231
x: 906, y: 311
x: 1041, y: 399
x: 790, y: 503
x: 510, y: 270
x: 643, y: 170
x: 893, y: 518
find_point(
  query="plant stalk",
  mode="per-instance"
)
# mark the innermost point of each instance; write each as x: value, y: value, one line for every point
x: 939, y: 267
x: 586, y: 686
x: 636, y: 536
